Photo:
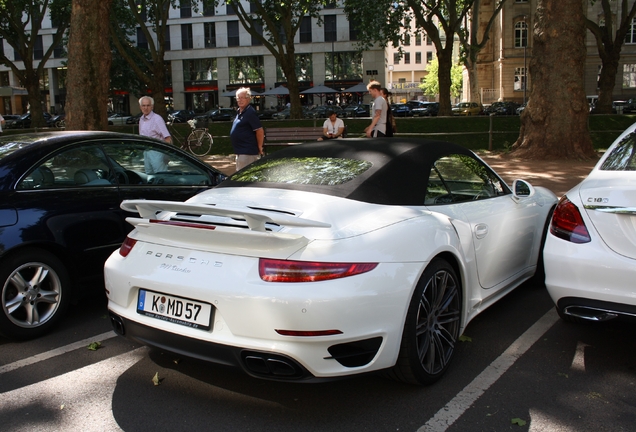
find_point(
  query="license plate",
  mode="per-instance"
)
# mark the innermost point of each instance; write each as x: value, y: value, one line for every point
x: 177, y: 310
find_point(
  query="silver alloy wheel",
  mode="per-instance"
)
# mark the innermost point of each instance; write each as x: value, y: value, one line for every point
x: 31, y: 295
x: 437, y: 322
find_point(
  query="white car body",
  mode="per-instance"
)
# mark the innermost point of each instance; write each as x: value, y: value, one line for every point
x: 118, y: 119
x: 492, y: 243
x: 589, y: 272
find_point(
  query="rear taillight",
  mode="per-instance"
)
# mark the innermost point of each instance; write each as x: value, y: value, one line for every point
x: 127, y: 246
x: 272, y: 270
x: 567, y: 223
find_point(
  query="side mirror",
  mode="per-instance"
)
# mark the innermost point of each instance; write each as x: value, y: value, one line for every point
x: 522, y: 189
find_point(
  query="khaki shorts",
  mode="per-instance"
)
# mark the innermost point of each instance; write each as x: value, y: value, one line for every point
x: 243, y: 160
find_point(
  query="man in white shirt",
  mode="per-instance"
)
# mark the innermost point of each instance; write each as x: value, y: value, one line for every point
x: 377, y: 128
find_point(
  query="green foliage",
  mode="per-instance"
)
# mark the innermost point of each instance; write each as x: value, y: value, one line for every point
x: 430, y: 86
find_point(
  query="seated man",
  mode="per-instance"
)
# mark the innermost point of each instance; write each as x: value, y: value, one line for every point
x: 333, y: 127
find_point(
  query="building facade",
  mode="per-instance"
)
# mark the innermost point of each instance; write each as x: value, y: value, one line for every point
x: 503, y: 63
x: 209, y: 54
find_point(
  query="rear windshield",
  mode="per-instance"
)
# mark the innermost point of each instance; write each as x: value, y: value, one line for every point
x: 623, y: 156
x: 303, y: 170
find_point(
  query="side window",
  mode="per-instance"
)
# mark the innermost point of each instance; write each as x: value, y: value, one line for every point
x: 80, y: 166
x: 460, y: 178
x: 142, y: 164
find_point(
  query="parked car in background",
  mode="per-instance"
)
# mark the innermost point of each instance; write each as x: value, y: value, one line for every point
x: 426, y: 109
x: 266, y: 114
x: 468, y: 109
x: 56, y: 121
x: 521, y: 108
x: 305, y: 266
x: 24, y: 121
x: 590, y: 250
x: 181, y: 116
x: 134, y: 119
x: 118, y: 119
x: 401, y: 110
x: 321, y: 111
x: 282, y: 115
x: 60, y: 217
x: 217, y: 114
x: 9, y: 119
x: 502, y: 108
x: 356, y: 110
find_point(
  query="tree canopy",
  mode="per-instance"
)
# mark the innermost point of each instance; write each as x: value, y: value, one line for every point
x: 275, y: 24
x: 20, y: 25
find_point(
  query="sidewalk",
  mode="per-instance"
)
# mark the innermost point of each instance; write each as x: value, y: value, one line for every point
x: 558, y: 176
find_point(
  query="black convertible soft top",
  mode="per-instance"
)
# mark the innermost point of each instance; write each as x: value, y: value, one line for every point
x: 399, y: 172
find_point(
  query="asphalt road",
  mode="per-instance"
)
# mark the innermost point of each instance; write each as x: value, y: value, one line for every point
x: 520, y: 364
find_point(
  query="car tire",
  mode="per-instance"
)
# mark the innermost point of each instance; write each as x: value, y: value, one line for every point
x: 34, y: 293
x: 432, y: 322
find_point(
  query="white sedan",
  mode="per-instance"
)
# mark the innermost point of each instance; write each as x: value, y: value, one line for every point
x: 329, y: 259
x: 590, y: 252
x: 118, y: 119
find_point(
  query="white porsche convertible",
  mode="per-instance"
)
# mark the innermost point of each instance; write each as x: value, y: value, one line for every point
x: 329, y: 259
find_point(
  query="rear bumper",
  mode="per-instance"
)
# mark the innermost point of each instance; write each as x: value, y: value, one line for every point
x: 255, y: 363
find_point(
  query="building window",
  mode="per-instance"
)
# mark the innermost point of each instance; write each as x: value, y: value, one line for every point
x: 520, y: 79
x: 630, y: 37
x: 330, y: 28
x: 229, y: 10
x: 521, y: 34
x: 305, y: 30
x: 418, y: 39
x: 186, y: 9
x: 428, y: 40
x: 166, y: 39
x: 200, y: 70
x: 343, y: 65
x: 407, y: 58
x: 396, y: 58
x: 141, y: 39
x: 58, y: 51
x: 258, y: 26
x: 304, y: 69
x: 38, y: 49
x: 246, y: 70
x: 233, y: 33
x: 208, y: 9
x: 186, y: 36
x: 354, y: 25
x: 407, y: 40
x: 629, y: 75
x: 429, y: 56
x: 418, y: 58
x: 209, y: 29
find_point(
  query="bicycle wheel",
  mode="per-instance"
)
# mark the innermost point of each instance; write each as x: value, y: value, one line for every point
x: 200, y: 142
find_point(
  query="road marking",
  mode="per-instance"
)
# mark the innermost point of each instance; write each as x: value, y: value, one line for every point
x: 80, y: 400
x: 56, y: 352
x: 453, y: 410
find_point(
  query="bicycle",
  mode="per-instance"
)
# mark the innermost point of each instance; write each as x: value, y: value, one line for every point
x: 199, y: 141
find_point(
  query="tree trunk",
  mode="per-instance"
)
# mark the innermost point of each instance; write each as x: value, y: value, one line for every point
x: 473, y: 82
x: 445, y: 64
x: 554, y: 123
x: 89, y: 58
x: 606, y: 84
x: 36, y: 109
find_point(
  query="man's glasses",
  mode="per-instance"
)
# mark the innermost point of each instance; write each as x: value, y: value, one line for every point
x: 242, y: 97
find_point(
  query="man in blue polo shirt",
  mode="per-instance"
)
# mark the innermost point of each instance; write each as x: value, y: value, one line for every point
x: 247, y: 134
